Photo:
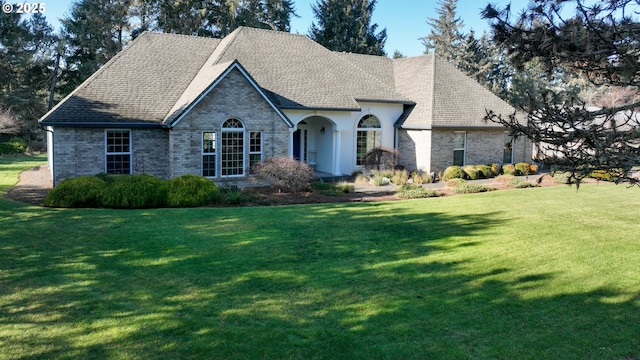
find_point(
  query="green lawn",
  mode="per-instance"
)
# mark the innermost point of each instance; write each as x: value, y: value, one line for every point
x: 543, y: 273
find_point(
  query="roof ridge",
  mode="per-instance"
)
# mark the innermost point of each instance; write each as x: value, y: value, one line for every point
x: 366, y: 73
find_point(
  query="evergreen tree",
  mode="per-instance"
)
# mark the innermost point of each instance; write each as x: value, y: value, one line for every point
x: 344, y: 25
x: 600, y: 43
x: 94, y: 32
x: 445, y: 37
x: 25, y: 57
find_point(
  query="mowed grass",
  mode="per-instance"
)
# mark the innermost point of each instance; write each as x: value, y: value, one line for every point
x: 12, y: 166
x: 544, y: 273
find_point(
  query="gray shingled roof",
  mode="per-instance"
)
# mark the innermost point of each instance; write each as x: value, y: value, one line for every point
x: 159, y: 75
x: 139, y: 85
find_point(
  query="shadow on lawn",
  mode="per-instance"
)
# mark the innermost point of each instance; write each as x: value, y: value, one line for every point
x: 344, y: 281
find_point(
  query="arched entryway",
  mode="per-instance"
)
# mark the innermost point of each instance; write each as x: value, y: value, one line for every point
x: 313, y: 143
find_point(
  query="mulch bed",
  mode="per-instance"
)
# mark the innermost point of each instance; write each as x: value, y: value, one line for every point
x: 35, y: 184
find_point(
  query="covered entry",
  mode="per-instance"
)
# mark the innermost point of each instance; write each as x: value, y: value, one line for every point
x: 313, y: 143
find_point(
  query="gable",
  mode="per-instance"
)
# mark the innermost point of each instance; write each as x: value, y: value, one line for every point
x: 233, y: 94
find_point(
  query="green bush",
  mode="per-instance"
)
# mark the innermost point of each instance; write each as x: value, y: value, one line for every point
x: 191, y: 191
x: 234, y: 196
x: 495, y: 169
x: 345, y: 187
x: 523, y: 168
x: 83, y: 191
x: 509, y: 169
x: 485, y: 171
x: 604, y: 175
x: 468, y: 188
x: 415, y: 192
x: 471, y: 172
x: 135, y: 192
x: 14, y: 146
x: 453, y: 172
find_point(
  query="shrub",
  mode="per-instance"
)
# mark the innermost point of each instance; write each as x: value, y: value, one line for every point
x: 471, y: 172
x: 400, y: 177
x: 234, y: 196
x: 456, y: 182
x: 417, y: 178
x: 134, y: 192
x: 485, y: 171
x: 415, y: 192
x: 191, y: 191
x: 533, y: 169
x: 453, y: 172
x: 468, y: 188
x: 14, y: 146
x: 362, y: 179
x: 83, y: 191
x: 345, y: 187
x: 523, y: 168
x: 286, y: 174
x: 513, y: 182
x: 379, y: 180
x: 604, y: 175
x: 380, y: 158
x: 509, y: 169
x: 495, y: 169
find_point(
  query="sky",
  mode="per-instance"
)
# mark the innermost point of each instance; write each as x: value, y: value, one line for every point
x: 405, y: 20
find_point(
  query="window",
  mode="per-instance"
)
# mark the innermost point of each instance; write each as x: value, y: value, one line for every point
x: 507, y: 154
x: 232, y: 148
x: 209, y: 154
x: 255, y: 148
x: 367, y: 137
x: 459, y: 142
x: 118, y: 152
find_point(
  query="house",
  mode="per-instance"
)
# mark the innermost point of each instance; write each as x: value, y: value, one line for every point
x: 171, y: 104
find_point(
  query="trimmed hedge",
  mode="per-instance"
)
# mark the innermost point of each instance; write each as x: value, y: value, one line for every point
x: 191, y: 191
x: 83, y: 191
x: 472, y: 173
x: 133, y: 192
x: 415, y: 192
x: 453, y: 172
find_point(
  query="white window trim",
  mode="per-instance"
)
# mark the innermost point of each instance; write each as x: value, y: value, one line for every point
x: 464, y: 148
x: 513, y: 142
x: 261, y: 147
x: 244, y: 147
x: 214, y: 153
x: 366, y: 129
x: 106, y: 148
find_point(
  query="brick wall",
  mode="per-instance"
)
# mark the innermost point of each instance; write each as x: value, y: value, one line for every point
x: 482, y: 147
x: 81, y: 151
x: 233, y: 97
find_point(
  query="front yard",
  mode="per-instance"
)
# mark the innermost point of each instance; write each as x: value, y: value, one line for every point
x: 530, y: 274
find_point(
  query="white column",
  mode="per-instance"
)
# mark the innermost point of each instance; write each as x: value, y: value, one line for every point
x: 336, y: 152
x: 290, y: 151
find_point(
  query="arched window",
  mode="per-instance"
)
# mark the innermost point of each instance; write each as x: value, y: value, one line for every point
x: 232, y: 148
x: 367, y: 137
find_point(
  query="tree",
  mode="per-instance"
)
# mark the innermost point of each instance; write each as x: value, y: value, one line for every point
x: 25, y: 57
x: 94, y: 32
x: 445, y: 38
x: 600, y: 43
x: 344, y: 25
